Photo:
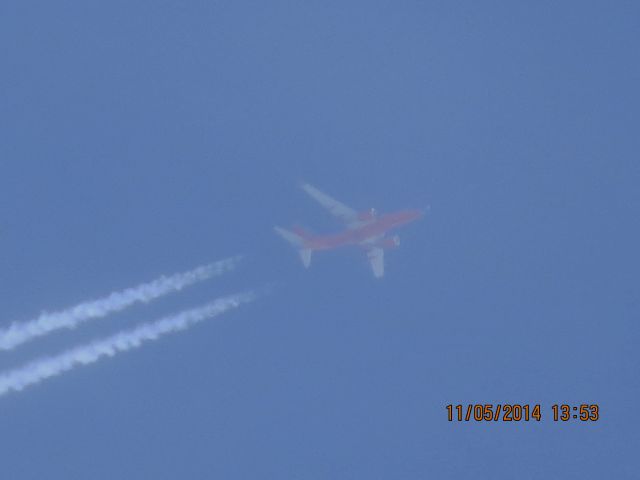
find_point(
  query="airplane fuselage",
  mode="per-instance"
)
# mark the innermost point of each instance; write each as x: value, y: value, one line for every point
x: 365, y: 233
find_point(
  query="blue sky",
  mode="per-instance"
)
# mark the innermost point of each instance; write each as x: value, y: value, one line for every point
x: 142, y: 138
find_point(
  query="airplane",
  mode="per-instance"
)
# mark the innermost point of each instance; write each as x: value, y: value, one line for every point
x: 367, y: 230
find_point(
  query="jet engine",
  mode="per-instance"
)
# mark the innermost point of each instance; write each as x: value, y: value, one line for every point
x: 392, y: 242
x: 370, y: 214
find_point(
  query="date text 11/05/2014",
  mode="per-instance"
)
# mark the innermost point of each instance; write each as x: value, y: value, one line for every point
x: 520, y: 412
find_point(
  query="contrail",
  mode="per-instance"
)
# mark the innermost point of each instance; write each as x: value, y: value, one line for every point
x: 21, y: 332
x: 39, y: 370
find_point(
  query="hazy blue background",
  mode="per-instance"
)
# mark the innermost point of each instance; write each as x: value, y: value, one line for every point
x: 147, y: 137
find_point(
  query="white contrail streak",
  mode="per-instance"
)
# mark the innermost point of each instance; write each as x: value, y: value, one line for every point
x: 39, y: 370
x: 20, y: 332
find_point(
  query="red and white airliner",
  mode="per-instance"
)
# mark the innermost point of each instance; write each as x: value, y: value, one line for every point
x: 367, y: 230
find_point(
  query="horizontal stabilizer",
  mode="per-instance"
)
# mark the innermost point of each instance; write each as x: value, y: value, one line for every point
x: 291, y: 237
x: 297, y: 241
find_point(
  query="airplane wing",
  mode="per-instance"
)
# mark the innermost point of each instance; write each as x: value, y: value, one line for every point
x: 376, y: 259
x: 346, y: 214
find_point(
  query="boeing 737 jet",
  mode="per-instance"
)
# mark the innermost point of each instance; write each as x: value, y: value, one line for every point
x: 367, y: 230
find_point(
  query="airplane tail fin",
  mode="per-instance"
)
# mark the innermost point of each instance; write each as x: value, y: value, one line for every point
x: 305, y: 256
x: 297, y: 240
